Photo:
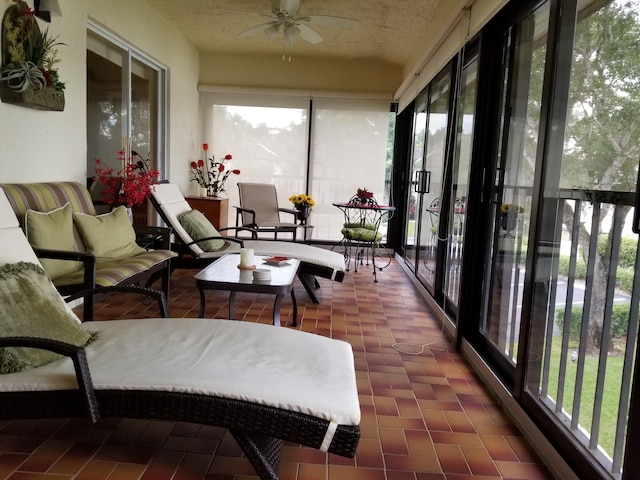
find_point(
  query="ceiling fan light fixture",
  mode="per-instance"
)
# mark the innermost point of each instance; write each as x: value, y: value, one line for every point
x: 294, y: 26
x: 287, y: 8
x: 272, y: 30
x: 291, y: 33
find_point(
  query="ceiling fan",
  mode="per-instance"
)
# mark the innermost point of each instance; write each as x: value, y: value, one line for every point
x: 295, y: 26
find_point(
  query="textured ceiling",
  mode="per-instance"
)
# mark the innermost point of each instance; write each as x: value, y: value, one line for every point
x: 390, y: 31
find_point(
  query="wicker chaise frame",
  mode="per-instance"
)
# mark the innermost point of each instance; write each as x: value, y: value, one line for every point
x: 259, y: 430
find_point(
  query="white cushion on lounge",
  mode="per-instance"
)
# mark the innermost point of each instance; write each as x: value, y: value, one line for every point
x: 303, y: 252
x: 238, y: 360
x: 173, y: 204
x: 12, y: 235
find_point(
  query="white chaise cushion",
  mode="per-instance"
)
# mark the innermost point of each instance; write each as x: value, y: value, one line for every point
x: 12, y: 235
x: 303, y: 252
x: 287, y: 369
x: 173, y: 203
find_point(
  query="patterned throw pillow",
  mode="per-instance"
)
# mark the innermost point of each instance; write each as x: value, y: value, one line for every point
x: 30, y: 306
x: 197, y: 226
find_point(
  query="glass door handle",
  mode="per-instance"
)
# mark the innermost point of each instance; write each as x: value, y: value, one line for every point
x: 423, y: 181
x: 418, y: 181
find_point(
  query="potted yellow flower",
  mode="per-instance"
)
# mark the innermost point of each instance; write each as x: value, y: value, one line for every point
x: 509, y: 215
x: 303, y: 203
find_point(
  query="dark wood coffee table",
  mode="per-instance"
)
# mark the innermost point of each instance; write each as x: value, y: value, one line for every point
x: 224, y: 274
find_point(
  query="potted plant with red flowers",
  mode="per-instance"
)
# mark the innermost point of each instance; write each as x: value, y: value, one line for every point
x: 129, y: 186
x: 363, y: 197
x: 199, y: 175
x: 214, y: 175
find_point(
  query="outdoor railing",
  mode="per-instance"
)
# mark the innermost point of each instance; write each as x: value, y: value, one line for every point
x: 591, y: 319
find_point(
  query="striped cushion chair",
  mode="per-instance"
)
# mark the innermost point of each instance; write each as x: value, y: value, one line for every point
x: 69, y: 276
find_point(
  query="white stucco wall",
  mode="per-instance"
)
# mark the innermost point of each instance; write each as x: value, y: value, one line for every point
x: 39, y: 146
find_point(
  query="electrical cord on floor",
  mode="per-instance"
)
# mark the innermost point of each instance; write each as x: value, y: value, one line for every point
x: 417, y: 349
x: 399, y: 348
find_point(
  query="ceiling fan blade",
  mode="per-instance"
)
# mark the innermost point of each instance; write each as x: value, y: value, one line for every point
x: 257, y: 28
x: 308, y: 33
x: 331, y: 21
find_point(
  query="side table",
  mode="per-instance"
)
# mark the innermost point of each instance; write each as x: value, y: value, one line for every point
x: 307, y: 231
x: 224, y: 274
x: 216, y: 209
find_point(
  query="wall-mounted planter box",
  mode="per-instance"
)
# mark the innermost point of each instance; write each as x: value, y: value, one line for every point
x: 46, y: 98
x: 25, y: 50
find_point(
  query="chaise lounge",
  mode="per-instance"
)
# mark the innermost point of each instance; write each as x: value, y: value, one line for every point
x: 314, y: 261
x: 218, y: 372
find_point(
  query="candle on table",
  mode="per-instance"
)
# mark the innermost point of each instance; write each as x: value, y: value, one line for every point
x: 246, y: 257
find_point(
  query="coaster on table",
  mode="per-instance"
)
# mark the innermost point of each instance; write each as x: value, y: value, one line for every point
x: 262, y: 274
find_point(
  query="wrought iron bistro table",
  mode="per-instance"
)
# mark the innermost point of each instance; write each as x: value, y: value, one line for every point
x: 363, y: 216
x: 224, y: 274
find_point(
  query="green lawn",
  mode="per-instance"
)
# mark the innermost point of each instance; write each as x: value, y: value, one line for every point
x: 611, y: 397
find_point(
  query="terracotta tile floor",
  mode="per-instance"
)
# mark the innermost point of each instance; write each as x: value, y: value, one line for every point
x: 424, y: 417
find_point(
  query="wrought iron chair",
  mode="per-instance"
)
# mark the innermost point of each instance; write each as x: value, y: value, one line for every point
x: 361, y: 234
x: 455, y: 234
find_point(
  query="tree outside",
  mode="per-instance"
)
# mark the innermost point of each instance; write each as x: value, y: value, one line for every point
x: 602, y: 137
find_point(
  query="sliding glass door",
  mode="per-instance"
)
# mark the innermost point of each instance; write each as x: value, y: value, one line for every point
x: 430, y: 180
x: 125, y: 103
x: 416, y: 185
x: 458, y: 187
x: 525, y: 51
x: 423, y: 243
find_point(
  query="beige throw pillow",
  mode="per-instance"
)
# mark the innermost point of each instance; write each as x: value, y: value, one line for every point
x: 109, y: 236
x: 54, y: 231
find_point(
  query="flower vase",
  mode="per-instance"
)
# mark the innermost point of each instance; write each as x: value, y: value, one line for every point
x: 130, y: 215
x: 508, y: 221
x: 303, y: 213
x: 202, y: 191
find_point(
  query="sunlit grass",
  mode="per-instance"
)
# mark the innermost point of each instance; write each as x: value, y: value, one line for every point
x: 611, y: 391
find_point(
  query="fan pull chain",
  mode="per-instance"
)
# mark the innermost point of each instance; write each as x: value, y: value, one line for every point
x: 284, y: 51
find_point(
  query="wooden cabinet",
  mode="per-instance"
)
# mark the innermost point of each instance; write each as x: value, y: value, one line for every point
x: 216, y: 209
